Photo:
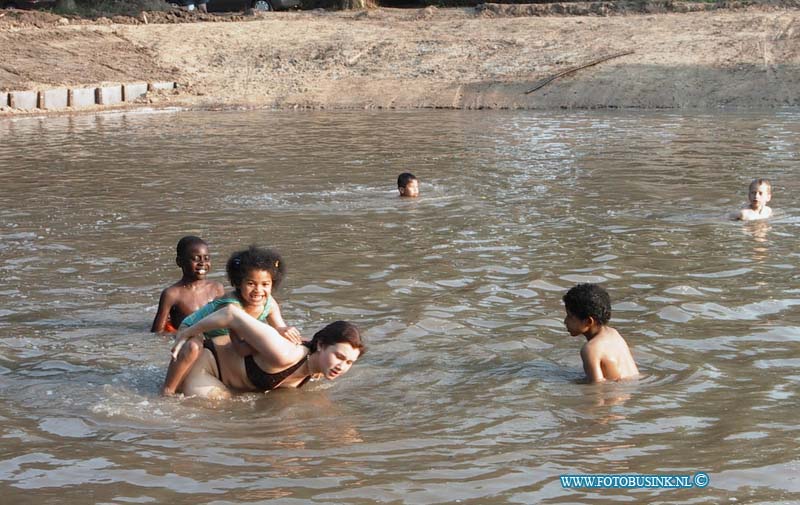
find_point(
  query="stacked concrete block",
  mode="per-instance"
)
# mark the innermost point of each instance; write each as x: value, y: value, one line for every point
x: 81, y: 97
x: 153, y: 86
x: 61, y: 98
x: 54, y: 98
x: 131, y: 92
x: 23, y: 100
x: 109, y: 95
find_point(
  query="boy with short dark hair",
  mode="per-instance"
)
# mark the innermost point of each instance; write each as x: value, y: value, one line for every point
x: 408, y: 185
x: 605, y: 354
x: 192, y: 291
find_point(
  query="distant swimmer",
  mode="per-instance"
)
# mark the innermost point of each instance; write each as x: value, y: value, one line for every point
x: 254, y: 273
x: 605, y: 355
x: 759, y: 195
x: 192, y: 291
x: 408, y: 185
x: 276, y: 362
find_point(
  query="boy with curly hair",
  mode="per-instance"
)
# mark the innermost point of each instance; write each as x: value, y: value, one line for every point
x: 605, y: 354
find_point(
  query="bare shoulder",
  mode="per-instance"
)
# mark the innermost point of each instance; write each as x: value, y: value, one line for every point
x: 608, y: 343
x: 612, y: 333
x: 751, y: 215
x: 215, y: 287
x: 591, y: 349
x: 171, y: 292
x: 616, y: 340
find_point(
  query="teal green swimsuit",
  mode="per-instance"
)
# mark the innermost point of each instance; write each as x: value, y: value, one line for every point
x: 215, y: 305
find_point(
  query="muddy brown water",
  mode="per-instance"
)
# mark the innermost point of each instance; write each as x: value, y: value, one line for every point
x: 469, y: 392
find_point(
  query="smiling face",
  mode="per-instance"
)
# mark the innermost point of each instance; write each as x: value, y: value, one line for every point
x: 255, y: 287
x: 335, y: 360
x: 196, y: 262
x: 759, y: 196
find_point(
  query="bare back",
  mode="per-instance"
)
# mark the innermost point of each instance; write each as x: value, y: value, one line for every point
x: 607, y: 357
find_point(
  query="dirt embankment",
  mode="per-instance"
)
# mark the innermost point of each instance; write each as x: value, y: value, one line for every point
x: 485, y: 57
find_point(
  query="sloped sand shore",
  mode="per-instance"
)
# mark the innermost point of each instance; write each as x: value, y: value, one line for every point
x: 451, y: 58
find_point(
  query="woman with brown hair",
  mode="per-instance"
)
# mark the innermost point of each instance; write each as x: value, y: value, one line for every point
x: 275, y: 361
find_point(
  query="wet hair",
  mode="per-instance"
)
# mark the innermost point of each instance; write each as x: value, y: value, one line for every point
x: 405, y: 178
x: 758, y: 182
x: 187, y: 243
x: 255, y: 258
x: 339, y: 332
x: 586, y: 300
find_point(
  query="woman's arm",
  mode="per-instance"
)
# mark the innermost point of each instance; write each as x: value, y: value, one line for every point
x: 264, y: 339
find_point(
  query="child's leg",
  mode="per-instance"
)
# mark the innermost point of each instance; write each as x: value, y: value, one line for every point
x: 179, y: 367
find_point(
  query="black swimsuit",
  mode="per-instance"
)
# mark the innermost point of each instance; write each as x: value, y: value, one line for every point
x: 269, y: 381
x: 208, y: 344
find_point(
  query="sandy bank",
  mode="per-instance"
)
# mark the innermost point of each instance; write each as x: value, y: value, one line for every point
x: 459, y: 58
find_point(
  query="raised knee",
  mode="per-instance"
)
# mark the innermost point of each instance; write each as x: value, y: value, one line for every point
x: 192, y: 349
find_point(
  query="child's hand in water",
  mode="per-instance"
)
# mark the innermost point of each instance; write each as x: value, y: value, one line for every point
x: 291, y: 334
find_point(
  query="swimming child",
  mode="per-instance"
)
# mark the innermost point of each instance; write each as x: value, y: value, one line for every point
x: 408, y: 185
x: 759, y: 194
x: 253, y: 273
x: 605, y: 354
x: 192, y: 291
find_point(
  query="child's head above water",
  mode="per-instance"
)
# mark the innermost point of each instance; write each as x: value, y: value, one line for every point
x: 588, y: 300
x: 759, y: 194
x: 187, y: 242
x: 192, y: 256
x: 243, y: 264
x: 408, y: 185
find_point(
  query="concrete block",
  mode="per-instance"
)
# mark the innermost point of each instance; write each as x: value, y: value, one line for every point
x: 82, y: 97
x: 109, y: 95
x: 132, y: 91
x: 24, y: 100
x: 161, y: 85
x: 54, y: 98
x: 3, y: 99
